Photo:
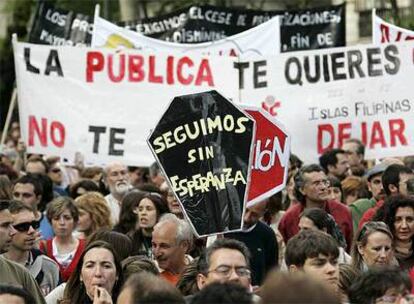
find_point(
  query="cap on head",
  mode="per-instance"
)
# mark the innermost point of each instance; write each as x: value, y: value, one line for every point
x: 377, y: 169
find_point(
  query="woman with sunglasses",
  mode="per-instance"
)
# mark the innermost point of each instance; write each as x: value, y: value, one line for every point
x: 372, y: 247
x: 398, y: 213
x: 64, y: 248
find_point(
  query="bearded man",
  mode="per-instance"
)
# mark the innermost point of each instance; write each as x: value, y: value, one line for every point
x: 117, y: 180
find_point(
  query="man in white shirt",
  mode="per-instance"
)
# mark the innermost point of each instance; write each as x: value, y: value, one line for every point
x: 116, y: 178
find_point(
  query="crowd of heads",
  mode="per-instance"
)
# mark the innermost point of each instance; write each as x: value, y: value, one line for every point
x: 343, y: 231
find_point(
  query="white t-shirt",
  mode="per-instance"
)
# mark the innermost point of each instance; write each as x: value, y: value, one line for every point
x: 63, y: 259
x: 115, y: 208
x: 56, y: 294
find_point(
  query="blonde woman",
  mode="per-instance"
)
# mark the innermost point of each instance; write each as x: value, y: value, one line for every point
x: 372, y: 247
x: 94, y: 213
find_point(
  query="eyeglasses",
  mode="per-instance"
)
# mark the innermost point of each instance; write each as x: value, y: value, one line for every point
x: 24, y: 227
x: 225, y: 271
x: 318, y: 183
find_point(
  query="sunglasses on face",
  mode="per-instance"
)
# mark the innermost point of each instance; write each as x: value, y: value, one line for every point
x: 24, y: 227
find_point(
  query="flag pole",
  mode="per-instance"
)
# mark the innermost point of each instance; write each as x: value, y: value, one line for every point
x: 9, y: 115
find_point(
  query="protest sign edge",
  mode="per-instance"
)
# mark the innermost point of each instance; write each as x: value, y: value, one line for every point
x: 374, y: 14
x: 281, y: 126
x: 95, y: 18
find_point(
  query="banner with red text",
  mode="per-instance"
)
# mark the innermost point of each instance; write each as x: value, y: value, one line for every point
x: 384, y: 32
x: 324, y: 97
x: 103, y: 103
x: 263, y: 39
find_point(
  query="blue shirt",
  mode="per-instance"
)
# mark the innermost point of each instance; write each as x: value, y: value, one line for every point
x: 45, y: 228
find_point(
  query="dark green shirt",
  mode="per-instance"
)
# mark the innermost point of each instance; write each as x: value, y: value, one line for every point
x: 358, y: 209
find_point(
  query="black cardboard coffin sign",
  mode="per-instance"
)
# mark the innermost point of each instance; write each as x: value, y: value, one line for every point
x: 203, y: 143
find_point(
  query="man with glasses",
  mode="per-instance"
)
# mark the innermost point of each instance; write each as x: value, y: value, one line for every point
x: 225, y: 260
x: 10, y: 272
x: 23, y: 251
x: 312, y: 191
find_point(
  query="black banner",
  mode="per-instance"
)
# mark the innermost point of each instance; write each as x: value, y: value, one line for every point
x: 203, y: 144
x: 55, y: 26
x: 315, y: 28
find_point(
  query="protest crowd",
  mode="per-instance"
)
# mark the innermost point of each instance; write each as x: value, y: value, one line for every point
x: 341, y: 232
x: 195, y: 223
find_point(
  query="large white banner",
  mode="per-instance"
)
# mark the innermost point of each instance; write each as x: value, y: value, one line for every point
x: 324, y: 97
x: 384, y: 32
x: 261, y: 40
x: 103, y: 103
